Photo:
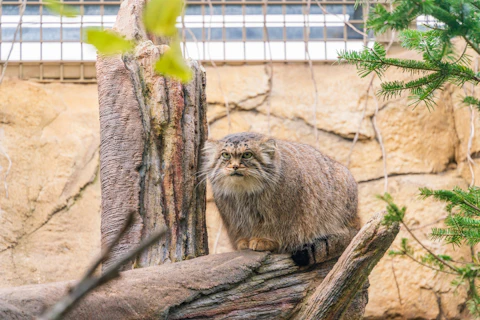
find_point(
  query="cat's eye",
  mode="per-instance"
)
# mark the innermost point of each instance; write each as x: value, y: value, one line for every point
x: 247, y: 155
x: 226, y: 155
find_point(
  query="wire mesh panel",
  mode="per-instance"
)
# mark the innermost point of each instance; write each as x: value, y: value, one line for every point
x: 249, y: 31
x: 221, y: 31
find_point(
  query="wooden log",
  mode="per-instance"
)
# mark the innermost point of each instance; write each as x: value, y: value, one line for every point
x: 334, y: 295
x: 152, y: 133
x: 237, y: 285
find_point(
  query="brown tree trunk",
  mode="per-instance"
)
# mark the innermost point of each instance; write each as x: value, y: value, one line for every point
x: 237, y: 285
x: 152, y: 133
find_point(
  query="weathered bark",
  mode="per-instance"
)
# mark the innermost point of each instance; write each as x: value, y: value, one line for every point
x: 238, y: 285
x: 152, y: 132
x: 333, y: 296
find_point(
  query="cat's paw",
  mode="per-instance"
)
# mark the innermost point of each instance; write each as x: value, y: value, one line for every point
x: 262, y: 244
x: 242, y: 244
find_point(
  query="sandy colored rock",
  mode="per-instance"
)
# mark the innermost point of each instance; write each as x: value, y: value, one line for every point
x: 237, y: 84
x: 51, y: 135
x: 417, y: 140
x: 216, y: 234
x: 339, y: 105
x: 64, y: 247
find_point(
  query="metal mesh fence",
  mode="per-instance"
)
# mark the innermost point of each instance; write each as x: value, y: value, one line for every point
x: 224, y: 31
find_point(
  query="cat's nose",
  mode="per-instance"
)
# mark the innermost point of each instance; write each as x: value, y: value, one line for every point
x: 235, y: 166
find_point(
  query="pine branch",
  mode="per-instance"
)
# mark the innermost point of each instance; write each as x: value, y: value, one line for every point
x: 396, y: 215
x: 370, y: 60
x: 396, y: 88
x: 473, y: 45
x: 430, y: 267
x: 470, y: 100
x: 456, y: 198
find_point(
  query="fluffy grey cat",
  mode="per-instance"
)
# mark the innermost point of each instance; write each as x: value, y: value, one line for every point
x: 280, y: 196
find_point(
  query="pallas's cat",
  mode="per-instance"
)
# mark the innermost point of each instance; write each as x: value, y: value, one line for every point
x: 280, y: 196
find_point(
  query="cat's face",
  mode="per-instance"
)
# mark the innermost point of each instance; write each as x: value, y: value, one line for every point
x: 242, y: 162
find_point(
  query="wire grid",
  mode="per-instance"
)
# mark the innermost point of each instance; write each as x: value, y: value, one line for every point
x: 222, y: 31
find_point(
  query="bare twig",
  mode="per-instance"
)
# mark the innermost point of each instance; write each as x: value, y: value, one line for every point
x: 427, y: 266
x: 270, y: 64
x: 5, y: 176
x: 19, y: 24
x: 357, y: 133
x: 89, y: 282
x: 396, y: 284
x: 370, y: 86
x: 184, y: 27
x: 365, y: 36
x: 428, y: 250
x: 377, y: 131
x: 106, y: 251
x: 341, y: 18
x: 227, y: 106
x: 306, y: 21
x: 4, y: 70
x: 470, y: 161
x: 382, y: 146
x: 429, y: 224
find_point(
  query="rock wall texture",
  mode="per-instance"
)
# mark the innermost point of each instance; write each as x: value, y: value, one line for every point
x: 50, y: 222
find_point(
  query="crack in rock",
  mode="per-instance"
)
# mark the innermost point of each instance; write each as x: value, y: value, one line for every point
x: 69, y: 202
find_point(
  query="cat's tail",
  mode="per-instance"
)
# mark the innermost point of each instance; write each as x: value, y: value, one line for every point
x: 323, y: 248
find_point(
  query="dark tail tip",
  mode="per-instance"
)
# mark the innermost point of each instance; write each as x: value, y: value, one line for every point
x: 301, y: 257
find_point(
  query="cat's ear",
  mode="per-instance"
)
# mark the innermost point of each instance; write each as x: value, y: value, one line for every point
x: 209, y: 152
x: 210, y: 144
x: 210, y: 147
x: 269, y: 146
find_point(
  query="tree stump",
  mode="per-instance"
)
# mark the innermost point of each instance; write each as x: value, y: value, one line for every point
x: 152, y: 133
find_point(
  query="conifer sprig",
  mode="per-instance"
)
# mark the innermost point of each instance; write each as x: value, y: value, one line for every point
x: 457, y: 17
x: 440, y: 63
x: 463, y: 221
x: 472, y: 101
x: 436, y: 67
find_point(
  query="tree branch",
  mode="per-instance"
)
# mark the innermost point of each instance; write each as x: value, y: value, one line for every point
x: 237, y: 285
x: 334, y: 295
x: 89, y: 282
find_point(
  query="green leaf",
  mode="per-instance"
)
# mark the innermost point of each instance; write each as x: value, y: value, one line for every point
x: 61, y: 9
x: 172, y: 64
x: 160, y: 16
x: 108, y: 42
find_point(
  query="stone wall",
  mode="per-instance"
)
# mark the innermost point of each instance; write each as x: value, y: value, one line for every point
x: 50, y: 222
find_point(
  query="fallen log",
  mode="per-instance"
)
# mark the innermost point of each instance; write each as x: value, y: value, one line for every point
x: 237, y: 285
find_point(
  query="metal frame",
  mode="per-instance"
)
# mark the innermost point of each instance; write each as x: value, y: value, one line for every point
x: 24, y: 69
